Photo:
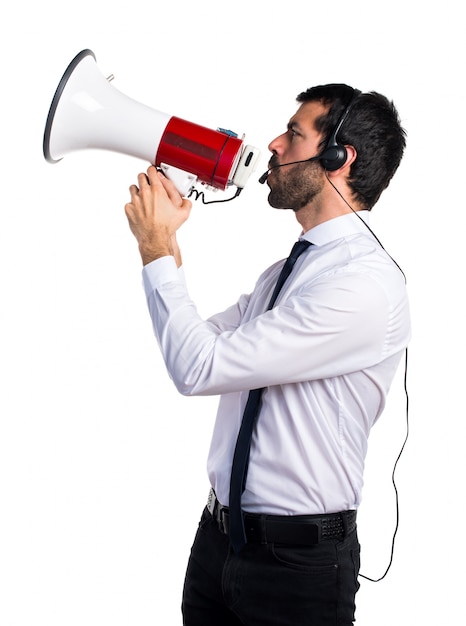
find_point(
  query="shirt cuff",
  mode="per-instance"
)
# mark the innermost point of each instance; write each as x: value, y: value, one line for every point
x: 159, y: 272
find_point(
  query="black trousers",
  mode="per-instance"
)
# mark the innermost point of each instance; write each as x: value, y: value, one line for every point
x: 269, y: 584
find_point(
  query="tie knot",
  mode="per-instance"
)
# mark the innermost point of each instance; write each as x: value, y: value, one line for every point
x: 298, y: 248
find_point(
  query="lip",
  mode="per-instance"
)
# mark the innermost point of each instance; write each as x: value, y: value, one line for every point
x: 273, y: 165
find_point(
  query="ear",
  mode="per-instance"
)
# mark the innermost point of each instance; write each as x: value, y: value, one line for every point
x: 351, y: 156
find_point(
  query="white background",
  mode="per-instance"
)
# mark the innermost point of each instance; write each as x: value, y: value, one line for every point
x: 102, y: 463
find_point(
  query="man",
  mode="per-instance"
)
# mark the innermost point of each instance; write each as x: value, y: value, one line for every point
x: 321, y: 359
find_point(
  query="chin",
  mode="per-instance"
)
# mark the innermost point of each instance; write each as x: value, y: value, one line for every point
x: 278, y: 205
x: 273, y: 202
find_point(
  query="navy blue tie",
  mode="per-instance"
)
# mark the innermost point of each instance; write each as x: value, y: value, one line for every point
x: 239, y: 468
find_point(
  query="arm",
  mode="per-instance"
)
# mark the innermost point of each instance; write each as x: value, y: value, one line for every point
x: 324, y: 331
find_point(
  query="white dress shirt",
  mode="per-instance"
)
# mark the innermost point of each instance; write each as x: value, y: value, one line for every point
x: 326, y: 354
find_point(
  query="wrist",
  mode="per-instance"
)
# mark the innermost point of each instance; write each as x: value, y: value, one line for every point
x: 154, y: 244
x: 152, y: 253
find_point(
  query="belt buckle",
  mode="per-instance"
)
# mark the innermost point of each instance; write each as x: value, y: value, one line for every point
x: 217, y: 512
x: 211, y: 502
x: 222, y: 522
x: 292, y: 532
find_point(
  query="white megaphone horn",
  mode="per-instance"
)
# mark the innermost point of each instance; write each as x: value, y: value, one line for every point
x: 87, y: 112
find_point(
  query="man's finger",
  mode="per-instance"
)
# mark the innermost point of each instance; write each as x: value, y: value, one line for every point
x: 143, y: 180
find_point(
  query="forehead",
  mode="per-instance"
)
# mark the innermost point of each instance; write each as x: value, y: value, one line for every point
x: 307, y: 114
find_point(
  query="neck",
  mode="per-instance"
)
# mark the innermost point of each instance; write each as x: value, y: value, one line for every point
x: 327, y: 205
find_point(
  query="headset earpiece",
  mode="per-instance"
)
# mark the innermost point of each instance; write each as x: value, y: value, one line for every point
x: 334, y: 155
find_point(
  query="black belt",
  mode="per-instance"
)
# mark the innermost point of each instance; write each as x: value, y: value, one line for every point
x: 293, y: 529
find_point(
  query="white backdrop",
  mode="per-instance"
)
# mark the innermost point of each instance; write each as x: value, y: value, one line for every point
x: 102, y: 463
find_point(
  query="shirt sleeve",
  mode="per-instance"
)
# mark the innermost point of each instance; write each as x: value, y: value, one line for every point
x: 334, y: 326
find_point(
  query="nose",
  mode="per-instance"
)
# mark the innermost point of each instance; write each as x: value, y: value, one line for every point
x: 276, y: 144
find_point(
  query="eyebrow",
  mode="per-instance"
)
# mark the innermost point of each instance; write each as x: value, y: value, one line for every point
x: 293, y: 125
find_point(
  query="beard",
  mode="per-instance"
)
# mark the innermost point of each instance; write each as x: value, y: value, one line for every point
x: 295, y: 186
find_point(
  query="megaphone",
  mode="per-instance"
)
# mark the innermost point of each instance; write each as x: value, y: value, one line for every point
x: 87, y: 112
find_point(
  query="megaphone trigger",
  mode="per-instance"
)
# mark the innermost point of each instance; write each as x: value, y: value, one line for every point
x: 183, y: 181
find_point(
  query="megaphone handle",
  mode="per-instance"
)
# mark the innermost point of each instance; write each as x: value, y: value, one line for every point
x: 183, y: 181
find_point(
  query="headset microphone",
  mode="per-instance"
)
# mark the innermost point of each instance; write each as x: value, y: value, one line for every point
x: 265, y: 175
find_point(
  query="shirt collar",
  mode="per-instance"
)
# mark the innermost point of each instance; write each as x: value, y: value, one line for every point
x: 341, y: 226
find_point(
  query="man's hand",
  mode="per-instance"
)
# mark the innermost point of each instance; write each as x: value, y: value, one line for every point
x: 155, y: 213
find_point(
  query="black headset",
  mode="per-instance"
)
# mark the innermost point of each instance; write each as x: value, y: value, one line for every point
x: 334, y: 155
